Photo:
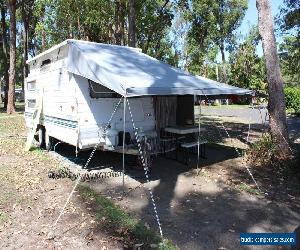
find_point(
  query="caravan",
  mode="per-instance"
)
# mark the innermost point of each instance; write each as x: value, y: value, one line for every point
x: 76, y: 91
x: 75, y: 109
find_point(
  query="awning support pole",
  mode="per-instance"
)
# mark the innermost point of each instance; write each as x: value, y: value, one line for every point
x: 250, y: 120
x: 199, y: 129
x: 124, y: 132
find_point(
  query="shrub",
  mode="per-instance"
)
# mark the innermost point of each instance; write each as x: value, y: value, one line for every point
x: 265, y: 153
x: 292, y: 98
x: 262, y: 152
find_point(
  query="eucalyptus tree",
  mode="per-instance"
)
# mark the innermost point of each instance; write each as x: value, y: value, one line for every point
x: 107, y: 22
x: 5, y: 52
x: 289, y: 17
x: 289, y: 54
x: 26, y: 9
x: 289, y: 50
x: 12, y: 4
x: 153, y: 22
x: 247, y: 69
x: 214, y: 22
x: 276, y: 101
x: 131, y: 23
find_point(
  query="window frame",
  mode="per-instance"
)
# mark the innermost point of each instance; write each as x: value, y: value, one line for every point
x: 108, y: 93
x: 29, y: 101
x: 28, y: 84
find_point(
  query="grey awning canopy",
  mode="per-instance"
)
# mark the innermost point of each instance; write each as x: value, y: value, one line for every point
x: 130, y: 72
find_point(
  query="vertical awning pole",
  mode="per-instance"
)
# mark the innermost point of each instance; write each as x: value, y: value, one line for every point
x: 199, y: 129
x: 124, y: 132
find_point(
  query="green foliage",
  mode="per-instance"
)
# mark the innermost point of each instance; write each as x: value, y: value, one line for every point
x: 292, y: 98
x: 289, y: 50
x: 105, y: 21
x: 289, y: 54
x: 213, y: 25
x: 289, y: 17
x: 245, y: 187
x: 247, y: 69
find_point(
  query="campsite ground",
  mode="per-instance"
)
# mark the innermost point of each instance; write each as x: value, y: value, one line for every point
x: 204, y: 211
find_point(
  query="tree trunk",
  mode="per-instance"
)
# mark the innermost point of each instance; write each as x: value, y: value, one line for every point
x: 131, y: 24
x: 25, y: 51
x: 122, y: 17
x: 43, y: 40
x: 12, y: 58
x: 118, y: 22
x: 276, y: 103
x: 224, y: 73
x: 5, y: 55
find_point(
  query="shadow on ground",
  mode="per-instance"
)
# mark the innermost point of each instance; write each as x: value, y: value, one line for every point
x: 209, y: 210
x: 204, y: 211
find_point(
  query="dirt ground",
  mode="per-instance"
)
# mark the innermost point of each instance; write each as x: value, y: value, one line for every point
x: 30, y: 202
x: 211, y: 209
x: 207, y: 210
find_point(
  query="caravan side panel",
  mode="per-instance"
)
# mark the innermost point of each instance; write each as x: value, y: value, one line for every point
x: 48, y: 78
x: 94, y: 115
x: 60, y: 108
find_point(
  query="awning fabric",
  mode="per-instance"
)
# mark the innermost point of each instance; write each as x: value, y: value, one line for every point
x: 130, y: 72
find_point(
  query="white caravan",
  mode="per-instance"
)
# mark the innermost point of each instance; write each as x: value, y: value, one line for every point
x: 73, y: 89
x: 76, y: 110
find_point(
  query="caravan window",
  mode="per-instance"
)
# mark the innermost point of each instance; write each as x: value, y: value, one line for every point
x: 31, y: 103
x: 99, y: 91
x: 31, y: 86
x: 45, y: 62
x: 45, y: 65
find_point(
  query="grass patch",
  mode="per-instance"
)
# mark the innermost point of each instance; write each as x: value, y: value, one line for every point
x: 39, y: 152
x: 234, y: 106
x: 124, y: 224
x: 6, y: 195
x: 36, y: 150
x: 3, y: 217
x: 245, y: 187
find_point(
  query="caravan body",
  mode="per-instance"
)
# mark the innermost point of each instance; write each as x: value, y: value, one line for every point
x: 77, y: 110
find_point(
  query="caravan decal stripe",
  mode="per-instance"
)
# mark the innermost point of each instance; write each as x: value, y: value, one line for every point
x: 61, y: 122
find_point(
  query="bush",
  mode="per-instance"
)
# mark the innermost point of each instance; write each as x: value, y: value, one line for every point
x: 263, y: 152
x: 292, y: 98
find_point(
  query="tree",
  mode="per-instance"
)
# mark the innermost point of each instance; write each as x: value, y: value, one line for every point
x: 247, y: 69
x: 215, y: 21
x: 109, y: 24
x: 5, y: 54
x: 12, y: 55
x: 131, y: 24
x: 276, y: 103
x: 26, y: 13
x: 120, y: 8
x: 289, y: 54
x: 153, y: 22
x: 290, y: 16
